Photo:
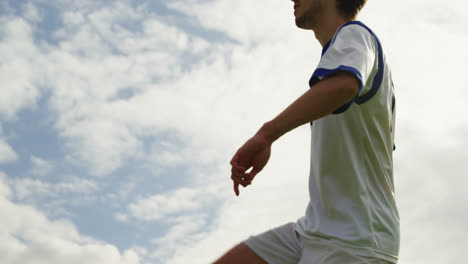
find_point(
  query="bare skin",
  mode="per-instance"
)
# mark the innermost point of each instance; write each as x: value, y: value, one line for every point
x: 320, y: 16
x: 322, y: 99
x: 240, y: 254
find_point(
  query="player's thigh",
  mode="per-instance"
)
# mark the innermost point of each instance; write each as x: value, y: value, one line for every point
x: 240, y: 254
x: 280, y: 245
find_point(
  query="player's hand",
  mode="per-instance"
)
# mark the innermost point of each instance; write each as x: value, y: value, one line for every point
x: 254, y: 154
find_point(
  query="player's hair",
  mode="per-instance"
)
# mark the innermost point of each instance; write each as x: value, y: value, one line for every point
x: 350, y: 8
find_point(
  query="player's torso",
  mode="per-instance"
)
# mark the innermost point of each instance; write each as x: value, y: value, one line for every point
x: 351, y: 176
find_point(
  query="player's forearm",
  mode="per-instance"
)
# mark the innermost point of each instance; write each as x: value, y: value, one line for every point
x: 322, y: 99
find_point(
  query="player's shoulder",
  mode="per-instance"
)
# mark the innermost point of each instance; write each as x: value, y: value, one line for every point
x: 355, y: 34
x: 354, y: 30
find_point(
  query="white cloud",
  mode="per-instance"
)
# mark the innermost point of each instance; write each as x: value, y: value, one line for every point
x: 7, y: 154
x: 41, y: 167
x: 33, y: 190
x: 121, y: 217
x: 106, y: 149
x: 243, y: 20
x: 28, y: 237
x: 87, y: 78
x: 31, y: 12
x: 170, y: 204
x: 431, y: 194
x: 185, y: 230
x: 4, y: 189
x: 73, y: 18
x: 21, y: 60
x: 168, y: 159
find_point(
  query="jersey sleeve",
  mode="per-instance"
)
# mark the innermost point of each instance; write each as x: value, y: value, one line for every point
x: 353, y: 49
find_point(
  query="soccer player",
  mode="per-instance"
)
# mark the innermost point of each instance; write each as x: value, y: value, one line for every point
x: 352, y: 217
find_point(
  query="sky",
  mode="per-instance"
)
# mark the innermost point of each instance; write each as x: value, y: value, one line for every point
x: 118, y: 120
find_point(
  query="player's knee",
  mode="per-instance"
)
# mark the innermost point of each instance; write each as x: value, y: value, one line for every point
x: 240, y: 254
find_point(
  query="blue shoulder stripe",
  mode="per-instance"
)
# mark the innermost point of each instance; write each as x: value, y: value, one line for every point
x: 327, y: 72
x: 377, y: 82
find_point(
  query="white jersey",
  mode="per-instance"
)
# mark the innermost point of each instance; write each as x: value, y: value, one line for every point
x: 351, y: 184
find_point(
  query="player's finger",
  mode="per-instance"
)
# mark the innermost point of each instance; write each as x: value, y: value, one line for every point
x: 241, y: 179
x: 245, y: 183
x: 235, y: 160
x: 254, y: 172
x: 237, y: 169
x: 236, y: 175
x: 236, y: 188
x: 237, y: 178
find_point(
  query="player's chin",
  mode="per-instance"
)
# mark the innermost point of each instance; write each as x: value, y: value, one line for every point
x: 302, y: 26
x: 302, y: 23
x: 298, y: 24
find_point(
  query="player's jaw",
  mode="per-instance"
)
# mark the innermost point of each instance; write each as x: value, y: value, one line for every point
x: 305, y: 12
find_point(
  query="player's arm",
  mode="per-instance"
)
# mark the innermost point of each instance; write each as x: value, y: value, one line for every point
x: 320, y: 100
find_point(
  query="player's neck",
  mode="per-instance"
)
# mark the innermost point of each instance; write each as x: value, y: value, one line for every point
x: 326, y: 29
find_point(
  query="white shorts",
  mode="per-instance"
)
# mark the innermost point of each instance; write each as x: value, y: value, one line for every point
x: 283, y: 245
